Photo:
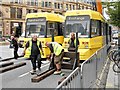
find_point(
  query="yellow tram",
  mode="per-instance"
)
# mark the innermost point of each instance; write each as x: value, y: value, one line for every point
x: 43, y: 24
x: 92, y: 31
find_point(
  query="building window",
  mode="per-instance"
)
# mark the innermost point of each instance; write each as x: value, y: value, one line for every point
x: 32, y: 2
x: 20, y: 1
x: 66, y: 6
x: 35, y: 11
x: 16, y: 1
x: 29, y: 11
x: 70, y: 7
x: 13, y: 12
x: 42, y: 3
x: 46, y: 4
x: 55, y: 5
x: 28, y: 2
x: 11, y: 1
x: 61, y: 6
x: 73, y: 7
x: 50, y: 4
x: 19, y: 12
x: 36, y: 2
x: 58, y: 6
x: 82, y: 7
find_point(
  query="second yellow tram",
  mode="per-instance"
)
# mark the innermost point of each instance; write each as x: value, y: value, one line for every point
x: 92, y: 31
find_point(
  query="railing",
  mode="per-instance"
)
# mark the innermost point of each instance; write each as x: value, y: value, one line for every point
x: 92, y: 67
x: 88, y: 74
x: 72, y: 81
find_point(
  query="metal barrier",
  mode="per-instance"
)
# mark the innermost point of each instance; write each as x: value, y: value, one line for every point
x: 89, y: 72
x: 88, y: 69
x: 92, y: 67
x: 101, y: 57
x: 72, y: 81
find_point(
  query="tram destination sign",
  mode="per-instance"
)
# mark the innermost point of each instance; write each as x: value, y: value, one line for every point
x: 31, y: 20
x: 78, y: 18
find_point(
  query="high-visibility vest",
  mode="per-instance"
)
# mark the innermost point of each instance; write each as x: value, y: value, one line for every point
x: 74, y: 42
x: 30, y: 46
x: 57, y: 48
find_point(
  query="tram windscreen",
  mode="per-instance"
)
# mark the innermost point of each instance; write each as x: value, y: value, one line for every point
x: 35, y: 26
x: 78, y: 24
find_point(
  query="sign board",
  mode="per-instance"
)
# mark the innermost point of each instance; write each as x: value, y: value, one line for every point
x: 15, y: 24
x: 31, y: 20
x: 78, y: 18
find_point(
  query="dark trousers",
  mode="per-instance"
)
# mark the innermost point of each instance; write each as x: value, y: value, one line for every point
x: 15, y: 52
x: 33, y: 60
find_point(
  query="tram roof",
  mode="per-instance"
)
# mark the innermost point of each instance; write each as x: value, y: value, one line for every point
x: 93, y: 14
x: 48, y: 16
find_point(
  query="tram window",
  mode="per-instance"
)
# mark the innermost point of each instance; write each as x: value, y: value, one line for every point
x: 82, y: 27
x: 36, y: 28
x: 95, y: 28
x: 52, y: 26
x: 60, y: 29
x: 103, y: 27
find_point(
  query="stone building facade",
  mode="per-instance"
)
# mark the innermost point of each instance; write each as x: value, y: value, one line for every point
x: 13, y: 12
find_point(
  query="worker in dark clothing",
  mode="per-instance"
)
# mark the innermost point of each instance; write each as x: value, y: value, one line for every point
x: 33, y: 47
x: 72, y: 42
x: 58, y: 52
x: 15, y: 45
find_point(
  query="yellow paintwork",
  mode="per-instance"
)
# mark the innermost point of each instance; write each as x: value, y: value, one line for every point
x: 86, y: 50
x: 93, y: 14
x: 49, y: 16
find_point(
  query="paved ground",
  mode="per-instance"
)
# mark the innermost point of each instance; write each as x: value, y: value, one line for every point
x: 6, y: 52
x: 21, y: 77
x: 113, y: 80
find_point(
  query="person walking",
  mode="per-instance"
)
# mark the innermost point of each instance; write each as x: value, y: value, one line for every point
x: 33, y: 47
x: 15, y: 46
x: 57, y: 51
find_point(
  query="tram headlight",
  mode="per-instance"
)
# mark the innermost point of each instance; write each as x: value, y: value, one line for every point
x: 86, y: 44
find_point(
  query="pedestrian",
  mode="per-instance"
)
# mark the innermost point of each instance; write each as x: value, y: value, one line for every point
x: 72, y: 42
x: 57, y: 51
x: 15, y: 46
x: 33, y: 47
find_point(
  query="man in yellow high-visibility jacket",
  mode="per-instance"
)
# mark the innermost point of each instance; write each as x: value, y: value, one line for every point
x: 58, y: 52
x: 72, y: 42
x: 33, y: 46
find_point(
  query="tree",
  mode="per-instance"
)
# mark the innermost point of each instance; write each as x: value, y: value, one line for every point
x: 114, y: 11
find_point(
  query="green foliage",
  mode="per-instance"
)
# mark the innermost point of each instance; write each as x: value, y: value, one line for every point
x: 114, y: 13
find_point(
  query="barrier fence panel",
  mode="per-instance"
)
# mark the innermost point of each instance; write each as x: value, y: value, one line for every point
x: 88, y: 69
x: 86, y: 75
x: 72, y: 81
x: 101, y: 55
x: 92, y: 67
